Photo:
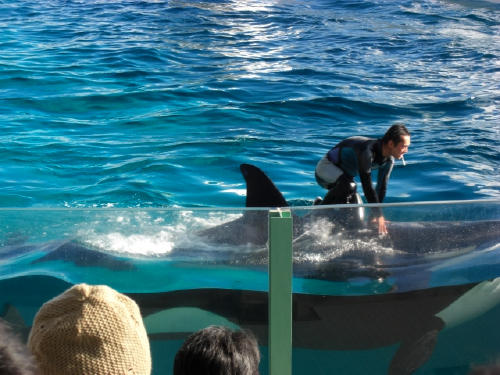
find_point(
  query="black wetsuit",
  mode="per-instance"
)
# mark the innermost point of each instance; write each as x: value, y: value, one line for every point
x: 360, y: 155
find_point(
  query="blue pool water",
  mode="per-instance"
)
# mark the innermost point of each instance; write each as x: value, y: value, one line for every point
x: 115, y: 114
x: 156, y: 103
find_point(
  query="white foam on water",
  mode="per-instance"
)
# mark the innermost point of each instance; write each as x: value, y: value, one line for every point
x: 321, y: 242
x: 159, y: 244
x: 140, y: 234
x: 468, y: 33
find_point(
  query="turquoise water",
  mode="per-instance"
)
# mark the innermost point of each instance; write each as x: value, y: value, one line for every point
x: 156, y: 103
x: 114, y: 115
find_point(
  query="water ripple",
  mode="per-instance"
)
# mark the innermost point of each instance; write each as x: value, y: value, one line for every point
x: 139, y: 101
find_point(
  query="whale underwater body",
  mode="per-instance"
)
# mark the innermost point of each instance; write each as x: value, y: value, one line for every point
x: 411, y: 319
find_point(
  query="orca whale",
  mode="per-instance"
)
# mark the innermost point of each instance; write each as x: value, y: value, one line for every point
x: 412, y: 320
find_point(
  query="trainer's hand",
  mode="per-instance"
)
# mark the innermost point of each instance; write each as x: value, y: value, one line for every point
x: 382, y: 229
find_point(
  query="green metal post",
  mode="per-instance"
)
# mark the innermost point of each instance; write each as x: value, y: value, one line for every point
x: 280, y: 292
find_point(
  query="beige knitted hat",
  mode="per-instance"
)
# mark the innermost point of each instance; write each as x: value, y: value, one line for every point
x: 90, y: 330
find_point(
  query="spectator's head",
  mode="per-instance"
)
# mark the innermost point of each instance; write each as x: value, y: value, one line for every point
x: 218, y: 351
x: 15, y: 358
x: 90, y: 330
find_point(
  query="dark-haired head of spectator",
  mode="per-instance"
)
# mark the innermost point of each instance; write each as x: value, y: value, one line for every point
x: 218, y: 350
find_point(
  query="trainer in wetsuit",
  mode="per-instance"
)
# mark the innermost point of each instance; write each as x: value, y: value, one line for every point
x: 360, y: 155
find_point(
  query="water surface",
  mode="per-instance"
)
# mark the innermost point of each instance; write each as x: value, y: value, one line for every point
x: 156, y: 103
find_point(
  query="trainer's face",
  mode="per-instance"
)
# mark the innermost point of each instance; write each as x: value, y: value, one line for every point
x: 401, y: 148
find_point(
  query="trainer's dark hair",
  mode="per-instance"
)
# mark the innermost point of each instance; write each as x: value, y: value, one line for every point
x: 394, y: 134
x: 15, y: 358
x: 218, y: 350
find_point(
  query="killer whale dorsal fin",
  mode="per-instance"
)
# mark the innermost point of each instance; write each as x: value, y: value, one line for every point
x: 261, y: 191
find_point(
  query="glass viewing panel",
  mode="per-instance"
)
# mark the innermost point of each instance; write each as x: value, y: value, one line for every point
x: 187, y: 269
x: 426, y: 295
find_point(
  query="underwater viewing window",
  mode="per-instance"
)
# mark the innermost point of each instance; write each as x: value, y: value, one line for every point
x: 359, y: 302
